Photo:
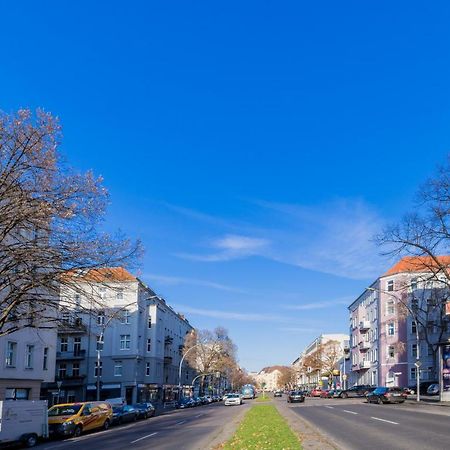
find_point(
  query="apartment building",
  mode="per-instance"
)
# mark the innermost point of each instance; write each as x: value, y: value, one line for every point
x: 307, y: 376
x: 117, y: 339
x: 28, y: 362
x: 397, y: 321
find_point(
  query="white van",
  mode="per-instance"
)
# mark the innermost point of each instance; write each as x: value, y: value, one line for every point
x: 23, y: 421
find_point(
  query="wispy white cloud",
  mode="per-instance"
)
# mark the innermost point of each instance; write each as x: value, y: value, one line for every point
x: 176, y: 281
x: 334, y: 238
x: 230, y: 315
x: 319, y: 305
x: 229, y: 247
x: 300, y: 330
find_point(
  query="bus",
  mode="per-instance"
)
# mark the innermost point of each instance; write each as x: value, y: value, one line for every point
x: 248, y: 391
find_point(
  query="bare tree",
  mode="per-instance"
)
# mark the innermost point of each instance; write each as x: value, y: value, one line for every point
x: 324, y: 360
x: 50, y: 218
x: 287, y: 378
x: 210, y: 351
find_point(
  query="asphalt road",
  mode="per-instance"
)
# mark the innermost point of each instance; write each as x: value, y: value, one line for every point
x: 356, y: 425
x: 189, y: 429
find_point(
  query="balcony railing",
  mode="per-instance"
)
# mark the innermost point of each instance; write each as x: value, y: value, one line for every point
x: 364, y: 365
x: 363, y: 346
x: 364, y: 325
x: 167, y: 360
x: 77, y: 354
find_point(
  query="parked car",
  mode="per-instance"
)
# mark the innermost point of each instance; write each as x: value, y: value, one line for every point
x: 316, y: 392
x: 208, y: 398
x: 184, y: 403
x: 433, y: 389
x: 144, y: 410
x: 324, y: 393
x: 382, y: 395
x: 122, y: 414
x: 71, y: 419
x: 233, y: 399
x: 295, y: 396
x: 423, y: 386
x: 278, y: 394
x: 197, y: 401
x: 359, y: 390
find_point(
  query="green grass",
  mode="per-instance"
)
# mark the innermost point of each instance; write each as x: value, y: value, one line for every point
x: 263, y: 399
x: 263, y: 428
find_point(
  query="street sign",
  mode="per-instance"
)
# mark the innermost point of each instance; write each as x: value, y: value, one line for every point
x: 417, y: 364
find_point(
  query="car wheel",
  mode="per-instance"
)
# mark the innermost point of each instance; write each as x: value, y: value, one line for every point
x: 344, y: 395
x: 119, y: 422
x: 77, y: 431
x: 135, y: 418
x: 379, y: 401
x: 106, y: 424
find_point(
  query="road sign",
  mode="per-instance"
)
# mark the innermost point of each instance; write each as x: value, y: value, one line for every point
x: 417, y: 364
x: 344, y: 377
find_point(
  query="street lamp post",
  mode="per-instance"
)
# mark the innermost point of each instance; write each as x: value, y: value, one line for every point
x: 418, y: 363
x: 180, y: 393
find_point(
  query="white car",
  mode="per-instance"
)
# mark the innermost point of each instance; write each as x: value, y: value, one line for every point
x: 233, y: 399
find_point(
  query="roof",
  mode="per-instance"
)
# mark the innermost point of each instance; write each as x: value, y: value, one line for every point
x: 102, y: 275
x: 271, y: 369
x: 419, y: 264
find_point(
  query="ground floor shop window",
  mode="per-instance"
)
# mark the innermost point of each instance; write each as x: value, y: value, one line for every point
x: 17, y: 394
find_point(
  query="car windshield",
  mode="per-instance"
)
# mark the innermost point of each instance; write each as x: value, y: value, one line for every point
x: 380, y: 390
x: 233, y: 396
x: 117, y: 409
x: 63, y: 410
x: 296, y: 393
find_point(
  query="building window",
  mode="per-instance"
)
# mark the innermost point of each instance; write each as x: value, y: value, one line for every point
x: 119, y: 294
x: 77, y: 301
x: 98, y: 372
x: 101, y: 318
x: 11, y: 353
x: 118, y: 369
x: 414, y: 350
x: 149, y: 345
x: 17, y: 394
x: 391, y: 329
x: 76, y: 369
x: 100, y: 342
x: 102, y: 292
x: 413, y: 372
x: 147, y: 369
x: 149, y: 321
x: 126, y: 316
x: 65, y: 317
x: 413, y: 327
x: 63, y: 344
x: 391, y: 351
x: 45, y: 359
x: 62, y: 370
x: 413, y: 284
x: 390, y: 308
x: 76, y: 346
x: 124, y: 342
x: 29, y: 352
x: 390, y: 285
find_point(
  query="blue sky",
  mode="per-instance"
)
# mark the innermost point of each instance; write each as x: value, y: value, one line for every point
x: 255, y: 147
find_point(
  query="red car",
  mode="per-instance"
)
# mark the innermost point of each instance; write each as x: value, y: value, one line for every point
x: 316, y: 392
x: 324, y: 394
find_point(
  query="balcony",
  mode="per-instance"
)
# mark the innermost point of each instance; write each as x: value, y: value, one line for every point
x: 364, y: 365
x: 364, y: 346
x: 78, y: 354
x: 72, y: 326
x: 71, y: 380
x: 364, y: 325
x: 167, y: 360
x: 168, y: 340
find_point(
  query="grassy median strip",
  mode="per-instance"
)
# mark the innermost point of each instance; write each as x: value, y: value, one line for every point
x: 263, y: 399
x: 263, y: 428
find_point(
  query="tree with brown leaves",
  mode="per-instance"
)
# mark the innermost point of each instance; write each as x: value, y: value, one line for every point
x: 50, y: 219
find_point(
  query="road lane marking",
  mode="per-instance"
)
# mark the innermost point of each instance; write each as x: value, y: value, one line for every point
x: 350, y: 412
x: 144, y: 437
x: 384, y: 420
x: 329, y: 407
x: 180, y: 423
x: 199, y: 415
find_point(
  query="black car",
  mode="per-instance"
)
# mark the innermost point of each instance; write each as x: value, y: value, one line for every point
x: 423, y: 387
x: 122, y: 414
x: 144, y: 410
x: 295, y: 396
x: 382, y: 395
x: 359, y: 390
